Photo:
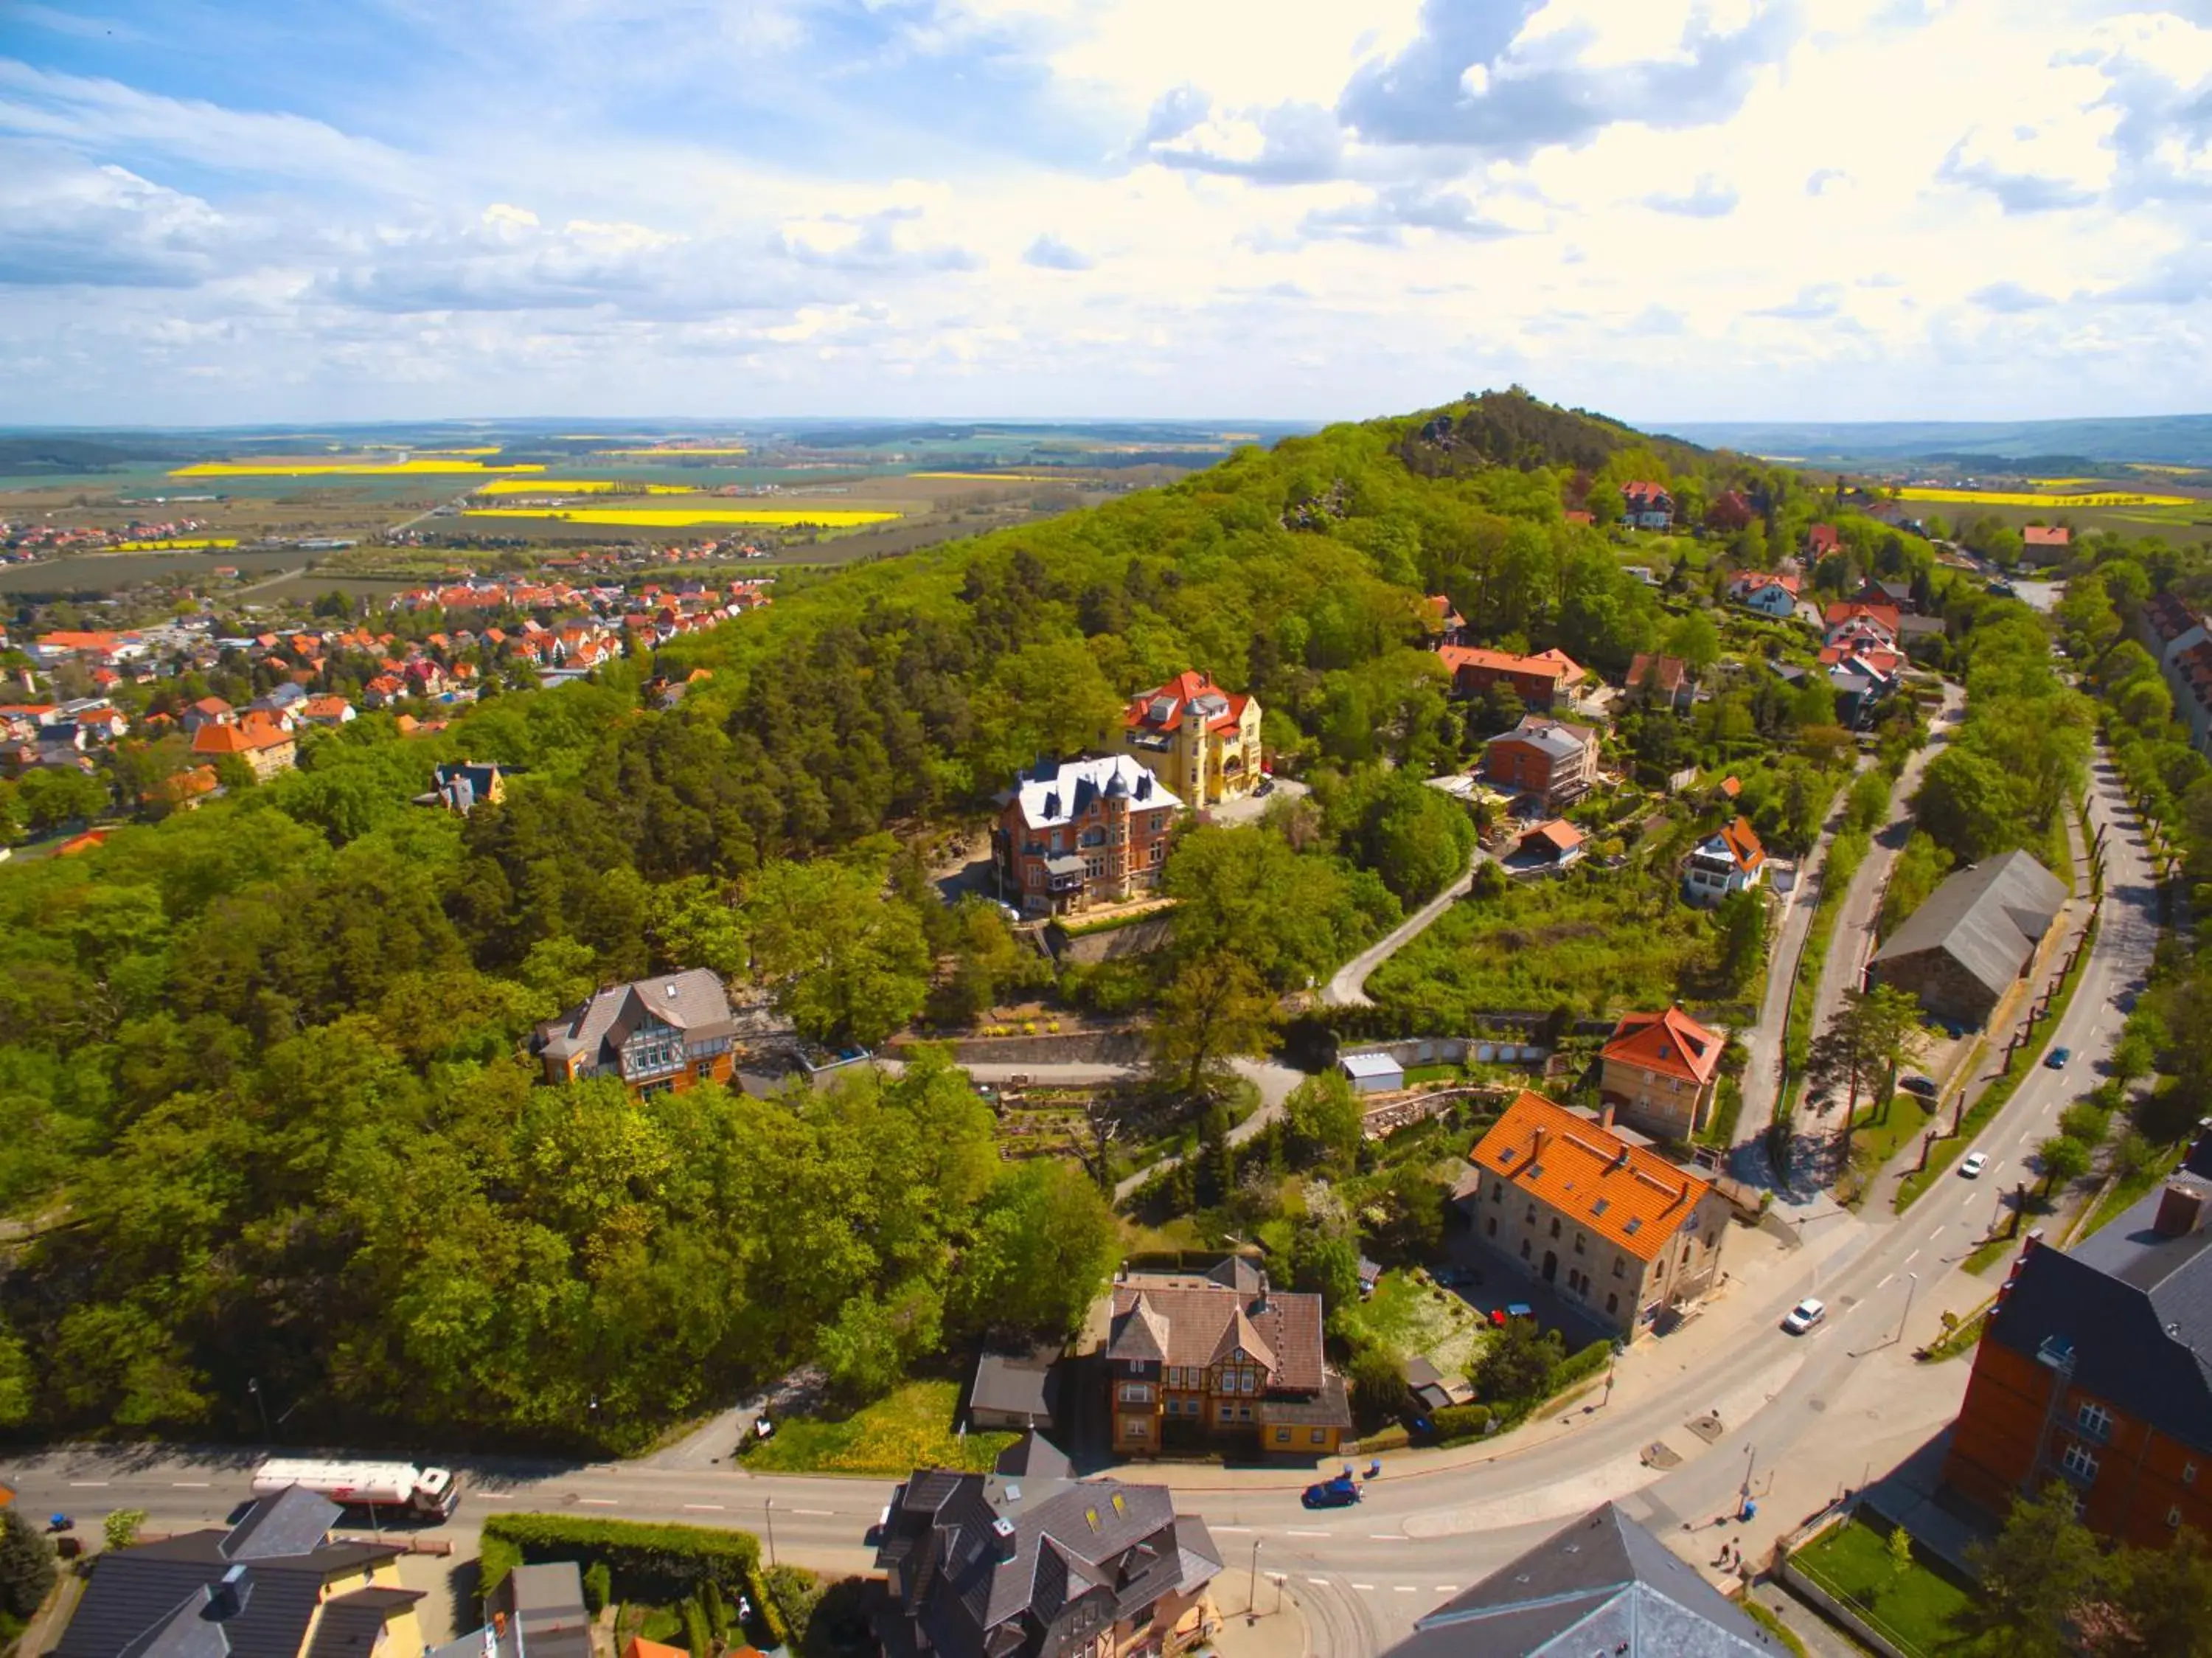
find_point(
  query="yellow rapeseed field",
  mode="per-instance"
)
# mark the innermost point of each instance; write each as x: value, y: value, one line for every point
x: 736, y: 512
x: 2028, y: 498
x: 337, y: 468
x: 575, y: 486
x: 174, y: 546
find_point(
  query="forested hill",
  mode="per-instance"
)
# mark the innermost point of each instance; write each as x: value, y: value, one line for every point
x: 263, y: 1108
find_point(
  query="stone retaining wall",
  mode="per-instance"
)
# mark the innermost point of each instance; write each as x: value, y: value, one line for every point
x: 1116, y: 1047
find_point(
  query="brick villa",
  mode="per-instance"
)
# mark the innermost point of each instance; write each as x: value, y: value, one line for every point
x: 1072, y: 834
x: 1660, y: 1071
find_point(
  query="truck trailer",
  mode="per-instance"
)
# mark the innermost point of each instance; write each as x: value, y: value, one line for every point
x: 426, y: 1493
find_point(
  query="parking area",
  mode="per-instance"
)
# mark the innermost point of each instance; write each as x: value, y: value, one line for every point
x: 1249, y: 809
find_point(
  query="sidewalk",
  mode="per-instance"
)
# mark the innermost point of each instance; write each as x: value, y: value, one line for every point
x: 1276, y: 1629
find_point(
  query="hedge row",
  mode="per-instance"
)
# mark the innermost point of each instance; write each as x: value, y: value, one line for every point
x: 660, y: 1564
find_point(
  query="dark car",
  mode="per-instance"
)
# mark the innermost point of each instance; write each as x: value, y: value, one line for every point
x: 1338, y: 1493
x: 1923, y: 1086
x: 2056, y: 1058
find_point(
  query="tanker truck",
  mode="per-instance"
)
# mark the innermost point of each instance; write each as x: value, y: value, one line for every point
x: 424, y: 1493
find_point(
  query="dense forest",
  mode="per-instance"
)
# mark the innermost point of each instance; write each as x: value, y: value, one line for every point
x: 264, y: 1109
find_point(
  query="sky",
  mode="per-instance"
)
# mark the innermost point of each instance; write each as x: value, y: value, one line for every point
x: 284, y: 211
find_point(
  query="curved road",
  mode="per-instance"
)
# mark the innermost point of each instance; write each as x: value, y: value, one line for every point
x: 1347, y: 987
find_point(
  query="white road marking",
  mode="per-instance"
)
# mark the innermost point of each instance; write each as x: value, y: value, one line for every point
x: 1323, y: 1581
x: 495, y: 1497
x: 1913, y: 1257
x: 600, y: 1501
x: 1406, y: 1589
x: 1387, y: 1537
x: 1447, y: 1588
x: 189, y: 1484
x: 1886, y: 1277
x: 818, y: 1514
x: 1232, y: 1528
x: 1370, y: 1588
x: 704, y: 1507
x: 1295, y: 1534
x: 86, y: 1485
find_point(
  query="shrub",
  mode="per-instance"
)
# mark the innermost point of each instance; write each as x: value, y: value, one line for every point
x: 26, y: 1565
x: 696, y: 1636
x: 717, y: 1608
x: 1582, y: 1367
x: 648, y: 1562
x: 120, y: 1529
x: 1455, y: 1424
x: 598, y: 1586
x: 776, y: 1630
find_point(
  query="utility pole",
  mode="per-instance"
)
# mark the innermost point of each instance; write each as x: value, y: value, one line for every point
x: 1911, y: 1283
x: 1252, y: 1596
x: 768, y: 1512
x: 253, y: 1387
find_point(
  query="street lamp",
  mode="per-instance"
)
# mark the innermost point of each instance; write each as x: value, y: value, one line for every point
x: 1252, y: 1596
x: 768, y: 1512
x: 253, y: 1387
x: 1911, y: 1283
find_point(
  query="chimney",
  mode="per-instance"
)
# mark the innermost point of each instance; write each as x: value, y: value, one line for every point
x: 2180, y: 1210
x: 1605, y: 1111
x: 1002, y: 1538
x: 227, y: 1598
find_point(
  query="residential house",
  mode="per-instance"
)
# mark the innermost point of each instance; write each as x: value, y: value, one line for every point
x: 261, y: 740
x: 1201, y: 741
x: 1820, y: 540
x: 208, y: 710
x: 2045, y: 544
x: 1602, y: 1585
x: 275, y: 1585
x: 1018, y: 1389
x: 979, y: 1566
x: 1887, y: 590
x: 185, y: 791
x: 329, y: 711
x: 1971, y: 937
x: 657, y: 1035
x: 2091, y: 1372
x: 1538, y: 680
x: 1659, y: 1071
x: 1548, y: 847
x: 2178, y: 637
x: 1729, y: 860
x: 1851, y: 621
x: 1661, y: 682
x: 1450, y: 626
x: 1549, y: 759
x: 1647, y: 506
x: 1769, y: 595
x: 537, y: 1611
x: 1072, y: 834
x: 1614, y: 1226
x: 463, y: 785
x: 1220, y: 1358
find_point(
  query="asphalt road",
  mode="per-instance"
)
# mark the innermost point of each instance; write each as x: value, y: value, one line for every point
x: 1347, y: 987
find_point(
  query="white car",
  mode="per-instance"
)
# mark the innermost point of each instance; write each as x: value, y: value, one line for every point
x: 1803, y: 1316
x: 1972, y: 1166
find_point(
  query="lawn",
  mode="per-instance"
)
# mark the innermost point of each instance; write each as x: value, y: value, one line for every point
x: 909, y: 1429
x: 1411, y: 1315
x: 1593, y: 937
x: 1879, y: 1133
x: 1913, y: 1606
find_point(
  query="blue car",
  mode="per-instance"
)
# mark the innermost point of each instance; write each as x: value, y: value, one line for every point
x: 2056, y: 1058
x: 1338, y: 1493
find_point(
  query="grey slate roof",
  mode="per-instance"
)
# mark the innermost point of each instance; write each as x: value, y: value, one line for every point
x: 1989, y: 918
x: 351, y: 1624
x: 169, y: 1600
x: 1601, y: 1585
x: 1020, y: 1384
x: 1042, y: 1583
x: 694, y: 1002
x: 2137, y: 1309
x: 1553, y: 739
x: 546, y: 1603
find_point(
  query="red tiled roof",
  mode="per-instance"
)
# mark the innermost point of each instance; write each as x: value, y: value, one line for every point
x: 1185, y: 688
x: 1664, y: 674
x: 1551, y: 665
x: 2046, y: 535
x: 1669, y: 1044
x: 1743, y: 845
x: 1558, y: 833
x: 1630, y: 1196
x: 1821, y: 537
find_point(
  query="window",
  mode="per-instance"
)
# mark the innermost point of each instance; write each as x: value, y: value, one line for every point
x: 1497, y: 1192
x: 1524, y: 1249
x: 703, y: 1069
x: 1136, y: 1392
x: 1493, y: 1226
x: 1532, y: 1215
x: 1619, y: 1266
x: 1612, y: 1303
x: 1555, y: 1226
x: 1282, y: 1435
x: 2081, y: 1462
x: 1135, y: 1428
x: 1318, y: 1436
x: 2094, y: 1420
x: 1579, y: 1240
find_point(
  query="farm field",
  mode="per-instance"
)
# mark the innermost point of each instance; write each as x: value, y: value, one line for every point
x: 2034, y: 498
x: 735, y: 512
x: 580, y: 486
x: 281, y: 468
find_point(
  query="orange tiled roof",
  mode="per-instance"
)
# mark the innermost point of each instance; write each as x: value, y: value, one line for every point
x: 1743, y: 842
x: 1185, y: 688
x: 2046, y: 535
x: 1551, y: 665
x: 1669, y: 1044
x: 239, y: 739
x: 1633, y: 1199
